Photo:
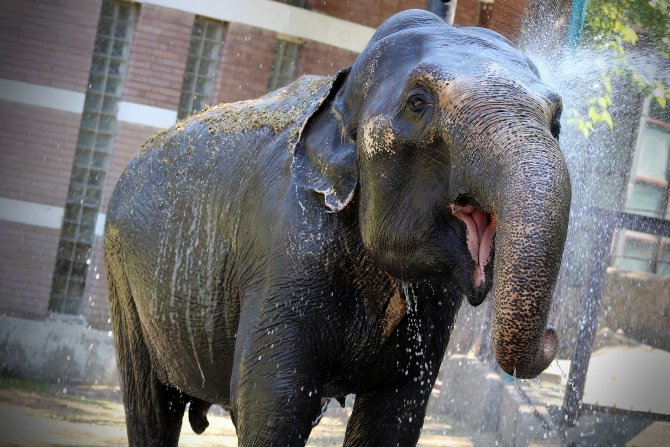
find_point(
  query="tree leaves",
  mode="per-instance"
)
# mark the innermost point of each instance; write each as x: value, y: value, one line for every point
x: 616, y: 27
x: 597, y: 111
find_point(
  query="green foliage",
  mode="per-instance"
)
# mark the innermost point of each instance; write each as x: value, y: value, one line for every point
x: 616, y: 27
x: 598, y: 110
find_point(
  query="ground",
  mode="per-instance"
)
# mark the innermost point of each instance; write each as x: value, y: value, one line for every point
x: 34, y: 413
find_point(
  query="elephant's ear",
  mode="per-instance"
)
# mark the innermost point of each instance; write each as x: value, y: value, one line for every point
x: 324, y: 158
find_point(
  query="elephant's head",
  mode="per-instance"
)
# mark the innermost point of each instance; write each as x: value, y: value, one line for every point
x: 448, y: 141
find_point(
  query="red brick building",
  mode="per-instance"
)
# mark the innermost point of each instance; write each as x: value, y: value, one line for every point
x: 83, y: 83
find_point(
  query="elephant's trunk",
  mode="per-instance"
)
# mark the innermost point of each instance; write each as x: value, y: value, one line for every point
x: 532, y: 211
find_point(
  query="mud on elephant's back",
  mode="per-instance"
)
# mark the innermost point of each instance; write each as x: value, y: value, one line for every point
x: 278, y: 110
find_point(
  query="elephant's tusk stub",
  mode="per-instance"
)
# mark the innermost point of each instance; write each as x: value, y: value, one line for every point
x: 480, y: 228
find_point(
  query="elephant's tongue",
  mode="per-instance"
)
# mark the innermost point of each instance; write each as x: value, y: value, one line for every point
x: 480, y: 228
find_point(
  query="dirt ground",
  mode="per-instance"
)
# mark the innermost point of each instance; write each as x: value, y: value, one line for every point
x: 35, y: 414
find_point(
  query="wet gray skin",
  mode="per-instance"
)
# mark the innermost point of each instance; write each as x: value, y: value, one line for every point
x: 318, y: 241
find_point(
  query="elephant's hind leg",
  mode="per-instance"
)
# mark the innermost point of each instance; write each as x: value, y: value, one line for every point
x: 154, y: 411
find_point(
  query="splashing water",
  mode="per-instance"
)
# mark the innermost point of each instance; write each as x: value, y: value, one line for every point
x: 410, y: 296
x: 599, y: 167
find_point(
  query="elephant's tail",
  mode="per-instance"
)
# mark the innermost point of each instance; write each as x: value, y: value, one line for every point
x: 154, y: 411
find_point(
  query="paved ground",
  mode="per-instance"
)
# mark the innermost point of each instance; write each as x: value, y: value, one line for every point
x: 35, y: 414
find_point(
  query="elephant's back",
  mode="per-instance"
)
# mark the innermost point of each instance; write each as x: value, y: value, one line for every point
x: 183, y: 209
x: 215, y: 156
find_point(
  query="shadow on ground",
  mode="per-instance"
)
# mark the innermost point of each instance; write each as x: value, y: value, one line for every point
x: 33, y: 413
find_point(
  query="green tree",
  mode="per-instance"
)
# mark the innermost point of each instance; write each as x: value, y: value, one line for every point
x: 620, y: 28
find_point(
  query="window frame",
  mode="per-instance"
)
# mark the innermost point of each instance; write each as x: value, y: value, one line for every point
x: 91, y: 156
x: 198, y: 89
x: 624, y: 238
x: 282, y: 70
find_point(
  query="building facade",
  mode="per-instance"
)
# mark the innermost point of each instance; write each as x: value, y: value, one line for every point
x: 83, y: 83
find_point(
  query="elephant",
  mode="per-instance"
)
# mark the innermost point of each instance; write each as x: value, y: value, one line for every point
x: 318, y: 241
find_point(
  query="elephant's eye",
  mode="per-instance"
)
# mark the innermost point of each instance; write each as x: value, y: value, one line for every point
x: 417, y: 103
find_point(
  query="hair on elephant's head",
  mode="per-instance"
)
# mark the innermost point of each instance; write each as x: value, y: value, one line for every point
x: 448, y: 141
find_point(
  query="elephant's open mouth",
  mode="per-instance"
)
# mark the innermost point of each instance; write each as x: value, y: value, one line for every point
x: 480, y: 228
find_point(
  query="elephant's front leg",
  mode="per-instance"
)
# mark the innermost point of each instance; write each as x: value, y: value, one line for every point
x: 275, y: 389
x: 391, y: 417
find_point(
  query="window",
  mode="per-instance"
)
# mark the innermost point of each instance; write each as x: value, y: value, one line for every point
x: 485, y: 13
x: 648, y: 193
x: 283, y: 63
x: 201, y: 65
x: 91, y: 158
x: 648, y: 185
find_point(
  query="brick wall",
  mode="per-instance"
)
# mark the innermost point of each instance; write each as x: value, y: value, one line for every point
x: 37, y: 151
x: 48, y: 42
x: 366, y: 12
x: 25, y: 275
x: 507, y: 18
x: 246, y: 60
x: 158, y: 56
x: 467, y: 13
x: 127, y: 141
x: 319, y: 59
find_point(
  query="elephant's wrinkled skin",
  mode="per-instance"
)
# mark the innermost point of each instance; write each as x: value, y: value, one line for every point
x: 318, y: 241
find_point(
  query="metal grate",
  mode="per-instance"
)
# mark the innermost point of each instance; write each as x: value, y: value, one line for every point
x: 283, y: 64
x: 201, y: 64
x: 91, y: 158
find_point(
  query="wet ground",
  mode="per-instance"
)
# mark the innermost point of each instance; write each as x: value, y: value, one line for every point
x: 36, y: 414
